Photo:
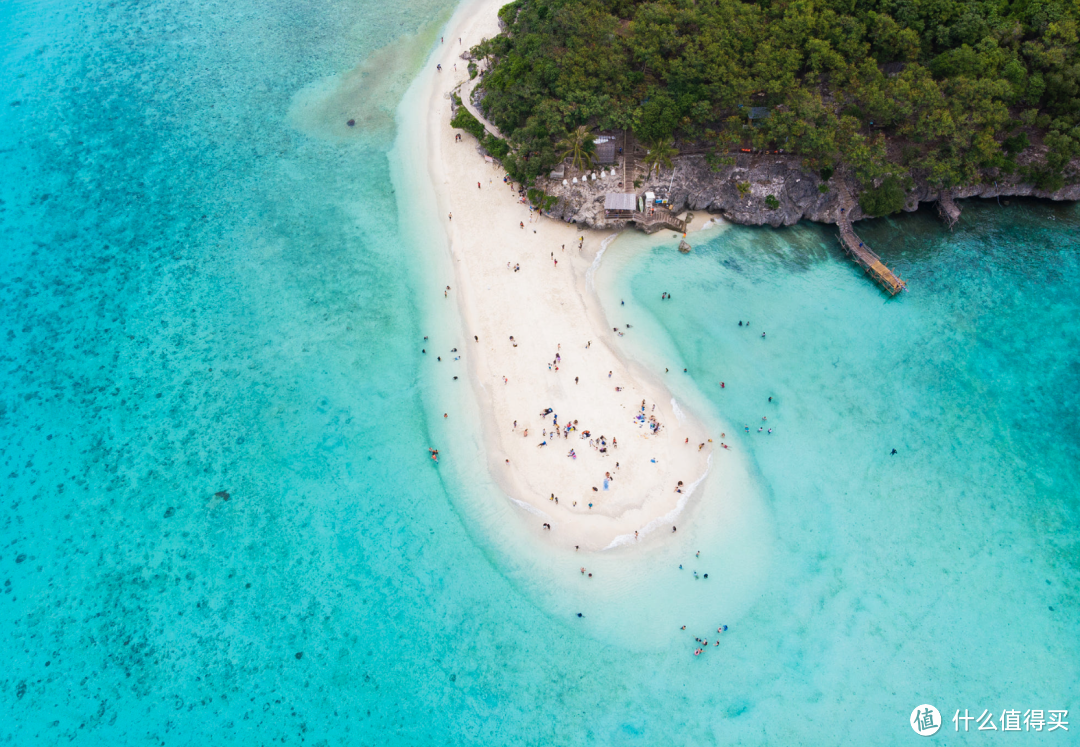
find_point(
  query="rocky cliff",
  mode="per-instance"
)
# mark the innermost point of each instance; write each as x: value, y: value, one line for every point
x: 739, y: 192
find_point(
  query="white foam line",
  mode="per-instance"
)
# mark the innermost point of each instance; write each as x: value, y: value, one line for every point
x: 678, y: 412
x: 591, y: 272
x: 670, y: 516
x: 532, y: 509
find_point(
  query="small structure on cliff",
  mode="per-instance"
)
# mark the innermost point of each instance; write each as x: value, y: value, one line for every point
x: 758, y: 114
x: 641, y: 212
x: 947, y: 209
x: 605, y: 150
x: 620, y: 205
x: 861, y: 253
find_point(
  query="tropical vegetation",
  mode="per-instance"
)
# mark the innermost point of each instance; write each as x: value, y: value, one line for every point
x: 951, y: 92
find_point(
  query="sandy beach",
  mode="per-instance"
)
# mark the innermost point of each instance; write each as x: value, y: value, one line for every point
x: 541, y: 351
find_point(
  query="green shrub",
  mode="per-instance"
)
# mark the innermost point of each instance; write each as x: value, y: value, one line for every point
x: 464, y: 120
x: 472, y: 70
x: 823, y: 188
x: 657, y: 119
x: 541, y: 199
x: 771, y: 202
x: 1046, y: 178
x: 497, y: 147
x: 1016, y: 143
x: 883, y: 200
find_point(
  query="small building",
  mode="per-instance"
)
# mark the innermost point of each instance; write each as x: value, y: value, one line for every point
x: 758, y: 114
x: 605, y: 152
x: 620, y: 205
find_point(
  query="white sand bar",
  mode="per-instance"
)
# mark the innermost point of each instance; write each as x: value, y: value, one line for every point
x: 561, y: 356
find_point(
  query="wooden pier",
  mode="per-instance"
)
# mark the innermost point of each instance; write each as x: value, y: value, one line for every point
x: 862, y: 254
x: 947, y: 209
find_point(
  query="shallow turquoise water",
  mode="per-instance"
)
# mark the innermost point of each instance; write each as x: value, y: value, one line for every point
x: 944, y: 574
x: 204, y: 291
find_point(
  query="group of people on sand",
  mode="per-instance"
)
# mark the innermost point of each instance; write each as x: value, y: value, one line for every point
x: 601, y: 444
x: 652, y: 422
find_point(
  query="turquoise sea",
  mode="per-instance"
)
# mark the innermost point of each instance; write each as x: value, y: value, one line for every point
x: 211, y: 284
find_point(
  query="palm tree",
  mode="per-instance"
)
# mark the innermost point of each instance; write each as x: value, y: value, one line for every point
x: 659, y: 155
x: 579, y: 148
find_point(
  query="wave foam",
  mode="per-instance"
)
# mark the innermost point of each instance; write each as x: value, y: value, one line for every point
x: 591, y: 272
x: 670, y: 516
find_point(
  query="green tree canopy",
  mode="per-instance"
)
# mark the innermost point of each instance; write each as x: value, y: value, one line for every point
x: 927, y: 89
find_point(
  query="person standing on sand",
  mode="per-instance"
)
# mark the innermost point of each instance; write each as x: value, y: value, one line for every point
x: 522, y: 224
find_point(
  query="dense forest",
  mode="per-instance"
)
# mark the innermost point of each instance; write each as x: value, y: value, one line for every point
x: 953, y: 92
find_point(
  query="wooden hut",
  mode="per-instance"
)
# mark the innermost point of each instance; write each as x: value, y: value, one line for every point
x: 620, y: 205
x: 605, y: 152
